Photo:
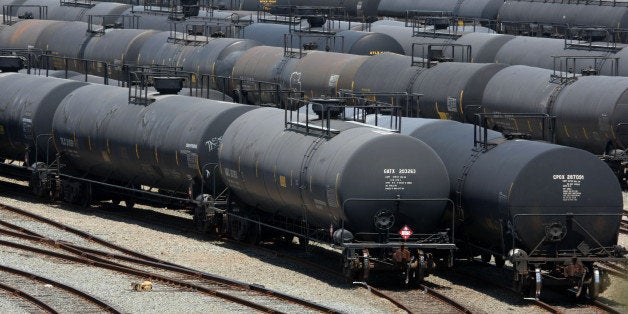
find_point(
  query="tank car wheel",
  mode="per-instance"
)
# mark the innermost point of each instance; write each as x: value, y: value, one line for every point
x: 522, y: 285
x: 593, y: 288
x: 303, y: 242
x: 414, y: 274
x: 499, y: 261
x: 201, y: 221
x: 86, y: 200
x: 486, y: 258
x: 116, y: 201
x: 348, y: 269
x: 238, y: 228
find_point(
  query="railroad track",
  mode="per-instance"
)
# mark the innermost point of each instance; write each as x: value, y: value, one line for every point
x: 55, y: 297
x: 552, y: 301
x: 614, y: 270
x: 141, y: 266
x: 623, y: 228
x: 404, y: 300
x: 419, y: 300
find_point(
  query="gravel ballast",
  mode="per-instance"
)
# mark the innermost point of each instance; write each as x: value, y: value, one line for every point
x: 219, y: 258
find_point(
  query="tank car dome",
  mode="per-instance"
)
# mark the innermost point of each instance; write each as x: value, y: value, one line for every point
x: 367, y: 43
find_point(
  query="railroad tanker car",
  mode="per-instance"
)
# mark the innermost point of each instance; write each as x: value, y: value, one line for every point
x: 84, y: 143
x: 538, y: 205
x: 577, y: 54
x: 450, y: 90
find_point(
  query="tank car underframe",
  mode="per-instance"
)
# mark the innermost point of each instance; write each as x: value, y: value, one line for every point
x: 413, y: 259
x: 574, y: 268
x: 47, y: 180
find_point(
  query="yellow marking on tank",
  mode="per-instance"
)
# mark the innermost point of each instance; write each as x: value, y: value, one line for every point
x: 441, y: 115
x: 584, y: 131
x: 612, y: 133
x: 516, y: 125
x: 156, y: 155
x: 566, y: 131
x: 54, y: 142
x: 213, y: 70
x: 282, y: 181
x: 510, y: 189
x: 392, y: 100
x: 139, y: 57
x: 529, y: 125
x: 74, y: 135
x: 89, y: 142
x: 176, y: 156
x: 337, y: 178
x: 108, y: 148
x: 198, y: 166
x: 352, y: 85
x: 137, y: 151
x: 460, y: 102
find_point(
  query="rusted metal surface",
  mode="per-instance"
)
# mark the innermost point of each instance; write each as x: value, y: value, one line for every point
x: 105, y: 260
x: 21, y: 294
x: 29, y: 276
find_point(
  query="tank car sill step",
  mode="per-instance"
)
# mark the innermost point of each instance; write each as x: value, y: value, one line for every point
x: 440, y: 246
x: 570, y: 258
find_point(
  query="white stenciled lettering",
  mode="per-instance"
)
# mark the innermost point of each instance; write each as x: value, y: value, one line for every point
x: 407, y: 171
x: 389, y: 171
x: 571, y: 185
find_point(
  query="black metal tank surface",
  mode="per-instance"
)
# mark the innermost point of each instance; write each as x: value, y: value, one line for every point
x: 346, y: 41
x: 551, y: 198
x: 120, y: 46
x: 27, y: 104
x: 398, y: 8
x: 217, y: 57
x: 563, y: 15
x: 318, y: 74
x: 345, y: 179
x: 522, y: 90
x: 386, y: 73
x: 539, y: 52
x: 454, y: 90
x: 170, y: 143
x: 592, y: 114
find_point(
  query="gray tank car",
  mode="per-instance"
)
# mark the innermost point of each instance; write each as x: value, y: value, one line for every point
x: 547, y: 208
x: 351, y: 181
